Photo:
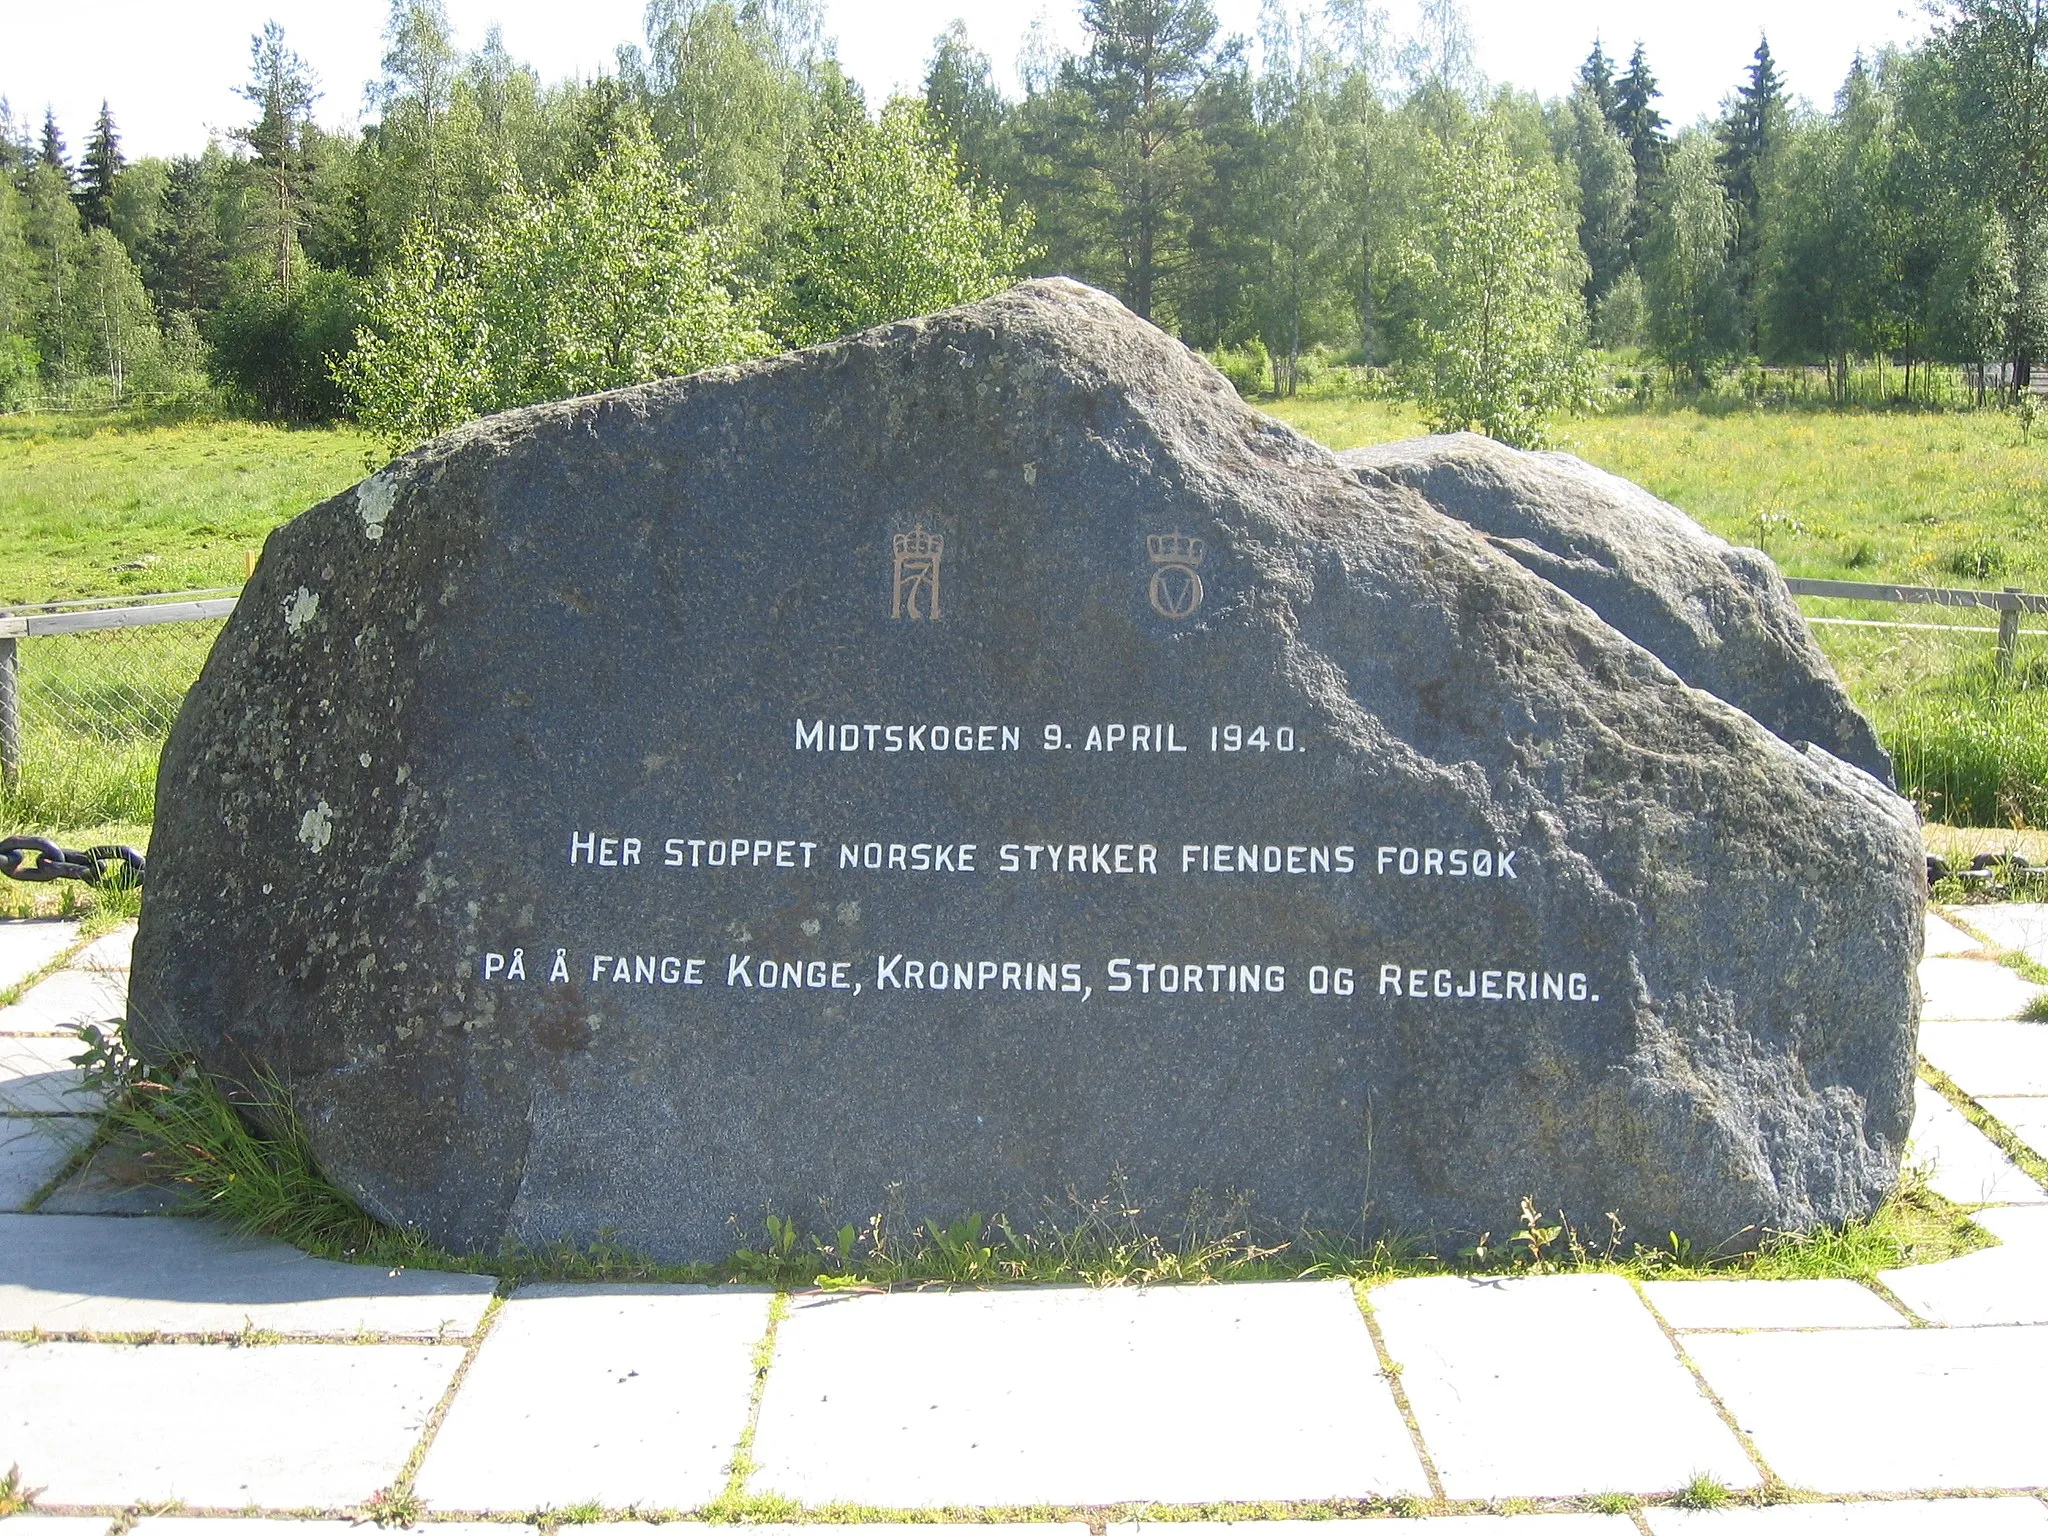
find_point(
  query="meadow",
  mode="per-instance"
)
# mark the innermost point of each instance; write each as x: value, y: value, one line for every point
x: 99, y: 506
x: 93, y: 507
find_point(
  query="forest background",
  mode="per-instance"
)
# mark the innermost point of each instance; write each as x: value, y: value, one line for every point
x: 1323, y: 192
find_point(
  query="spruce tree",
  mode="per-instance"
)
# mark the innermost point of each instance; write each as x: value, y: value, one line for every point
x: 52, y: 152
x: 1748, y: 135
x: 1597, y: 76
x: 1641, y: 125
x: 102, y: 168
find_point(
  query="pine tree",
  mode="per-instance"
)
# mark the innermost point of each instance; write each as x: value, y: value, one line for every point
x: 281, y: 89
x: 103, y: 167
x: 1642, y: 126
x: 1749, y: 134
x: 52, y: 152
x: 1597, y: 76
x: 1146, y: 63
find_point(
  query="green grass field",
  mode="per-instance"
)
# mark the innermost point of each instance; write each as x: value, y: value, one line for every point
x: 98, y: 506
x: 1929, y: 498
x: 101, y: 506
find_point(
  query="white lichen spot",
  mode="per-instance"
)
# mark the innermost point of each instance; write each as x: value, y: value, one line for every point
x: 363, y: 758
x: 1031, y: 474
x: 299, y: 609
x: 811, y: 927
x: 316, y: 827
x: 373, y: 500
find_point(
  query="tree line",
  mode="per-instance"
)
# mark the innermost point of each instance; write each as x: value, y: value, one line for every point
x: 1324, y: 188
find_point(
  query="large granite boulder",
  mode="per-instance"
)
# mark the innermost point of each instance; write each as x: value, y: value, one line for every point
x: 1716, y: 614
x: 981, y: 760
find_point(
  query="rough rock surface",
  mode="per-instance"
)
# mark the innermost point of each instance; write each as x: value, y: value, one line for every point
x: 1716, y: 614
x: 1518, y: 914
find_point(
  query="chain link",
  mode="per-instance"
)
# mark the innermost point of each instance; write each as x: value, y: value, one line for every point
x: 122, y: 864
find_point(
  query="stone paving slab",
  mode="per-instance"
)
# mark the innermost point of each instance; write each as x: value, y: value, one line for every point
x: 1897, y: 1517
x: 1514, y: 1386
x: 29, y: 944
x: 1962, y: 1163
x: 199, y: 1525
x: 33, y: 1524
x: 34, y: 1150
x: 282, y: 1426
x: 115, y: 1274
x: 37, y: 1077
x: 1072, y: 1396
x: 1944, y: 939
x: 111, y: 951
x: 2016, y: 925
x: 58, y: 1004
x: 1990, y: 1058
x: 1689, y: 1304
x: 2006, y: 1284
x: 1881, y: 1411
x: 1973, y: 989
x: 2025, y: 1118
x: 626, y: 1394
x: 1438, y: 1525
x: 118, y: 1180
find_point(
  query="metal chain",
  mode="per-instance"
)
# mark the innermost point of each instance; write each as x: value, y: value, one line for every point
x: 123, y: 864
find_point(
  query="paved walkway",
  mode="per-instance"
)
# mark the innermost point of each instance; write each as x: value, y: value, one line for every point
x: 148, y: 1361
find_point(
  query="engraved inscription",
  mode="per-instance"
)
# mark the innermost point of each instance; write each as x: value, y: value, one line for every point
x: 915, y: 593
x: 1176, y: 587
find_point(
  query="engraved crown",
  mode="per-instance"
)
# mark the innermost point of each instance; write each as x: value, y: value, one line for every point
x: 920, y: 542
x: 1175, y: 549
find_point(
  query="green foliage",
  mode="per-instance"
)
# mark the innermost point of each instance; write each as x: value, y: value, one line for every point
x: 275, y: 348
x: 612, y: 283
x: 881, y: 227
x: 1248, y: 368
x: 1695, y: 319
x: 1605, y: 177
x: 1498, y: 268
x: 1993, y: 59
x: 1619, y: 319
x: 729, y: 98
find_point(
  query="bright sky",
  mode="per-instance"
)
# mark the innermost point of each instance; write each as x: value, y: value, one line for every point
x: 171, y: 69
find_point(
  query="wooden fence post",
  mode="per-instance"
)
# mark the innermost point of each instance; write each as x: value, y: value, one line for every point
x: 2008, y: 635
x: 10, y: 712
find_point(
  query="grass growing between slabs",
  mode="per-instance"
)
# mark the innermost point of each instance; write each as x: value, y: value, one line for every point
x: 251, y: 1164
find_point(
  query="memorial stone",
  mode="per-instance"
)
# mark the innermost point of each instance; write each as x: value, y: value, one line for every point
x: 982, y: 760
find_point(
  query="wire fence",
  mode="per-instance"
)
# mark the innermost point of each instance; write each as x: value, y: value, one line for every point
x: 88, y: 693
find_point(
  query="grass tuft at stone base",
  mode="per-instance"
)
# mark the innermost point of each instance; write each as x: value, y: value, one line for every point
x: 246, y: 1160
